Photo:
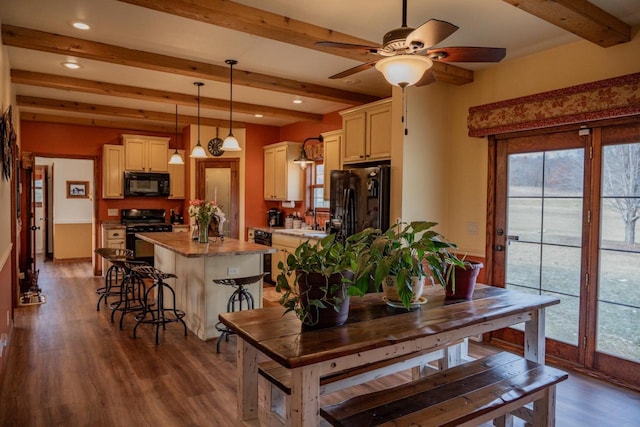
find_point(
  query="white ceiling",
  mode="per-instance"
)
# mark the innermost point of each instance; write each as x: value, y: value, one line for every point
x: 493, y: 23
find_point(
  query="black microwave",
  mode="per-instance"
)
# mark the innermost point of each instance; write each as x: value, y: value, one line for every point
x: 139, y: 184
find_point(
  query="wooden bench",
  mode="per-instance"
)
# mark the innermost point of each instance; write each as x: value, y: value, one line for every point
x: 465, y: 395
x: 275, y: 379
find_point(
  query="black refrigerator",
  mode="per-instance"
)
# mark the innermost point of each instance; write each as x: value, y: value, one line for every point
x: 360, y: 198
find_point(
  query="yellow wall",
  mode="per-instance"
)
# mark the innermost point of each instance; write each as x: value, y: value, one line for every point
x: 72, y: 241
x: 453, y: 192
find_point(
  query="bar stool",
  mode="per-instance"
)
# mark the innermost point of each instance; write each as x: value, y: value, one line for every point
x: 159, y: 313
x: 237, y: 298
x: 114, y: 274
x: 132, y: 289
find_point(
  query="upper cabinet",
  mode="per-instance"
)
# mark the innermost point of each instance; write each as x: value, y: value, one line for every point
x: 146, y: 153
x: 176, y: 178
x: 282, y: 177
x: 367, y: 132
x: 112, y: 171
x: 332, y: 156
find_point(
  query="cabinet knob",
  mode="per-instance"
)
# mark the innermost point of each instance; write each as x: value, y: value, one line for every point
x: 362, y: 157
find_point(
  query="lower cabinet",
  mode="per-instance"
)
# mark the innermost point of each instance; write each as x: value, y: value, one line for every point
x: 112, y: 237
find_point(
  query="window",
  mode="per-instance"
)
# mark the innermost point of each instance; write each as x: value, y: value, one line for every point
x: 317, y: 187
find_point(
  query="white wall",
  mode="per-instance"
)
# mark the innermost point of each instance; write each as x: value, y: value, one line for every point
x: 71, y: 211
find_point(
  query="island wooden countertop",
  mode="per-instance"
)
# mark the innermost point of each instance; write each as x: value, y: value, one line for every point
x: 182, y: 244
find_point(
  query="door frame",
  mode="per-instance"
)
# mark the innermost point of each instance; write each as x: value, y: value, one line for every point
x: 234, y: 164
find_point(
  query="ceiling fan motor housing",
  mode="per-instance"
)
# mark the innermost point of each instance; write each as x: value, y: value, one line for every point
x: 394, y: 42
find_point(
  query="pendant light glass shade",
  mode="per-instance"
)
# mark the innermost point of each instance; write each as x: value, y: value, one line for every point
x: 403, y: 70
x: 198, y: 151
x: 176, y: 158
x: 230, y: 143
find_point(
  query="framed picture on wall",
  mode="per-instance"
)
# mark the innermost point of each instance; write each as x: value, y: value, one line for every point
x: 77, y: 189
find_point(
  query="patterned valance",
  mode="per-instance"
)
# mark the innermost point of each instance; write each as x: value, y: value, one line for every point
x: 604, y: 99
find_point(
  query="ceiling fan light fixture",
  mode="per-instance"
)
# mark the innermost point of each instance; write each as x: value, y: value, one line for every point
x: 198, y: 151
x: 404, y: 70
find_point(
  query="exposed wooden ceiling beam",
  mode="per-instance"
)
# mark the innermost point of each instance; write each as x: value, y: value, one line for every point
x: 111, y: 89
x: 87, y: 121
x: 246, y: 19
x: 63, y: 45
x: 107, y: 110
x: 579, y: 17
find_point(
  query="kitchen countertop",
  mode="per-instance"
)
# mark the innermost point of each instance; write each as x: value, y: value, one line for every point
x: 182, y: 244
x: 298, y: 232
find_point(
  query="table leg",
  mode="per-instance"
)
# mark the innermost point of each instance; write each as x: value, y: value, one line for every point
x: 305, y: 396
x: 534, y: 344
x: 247, y: 365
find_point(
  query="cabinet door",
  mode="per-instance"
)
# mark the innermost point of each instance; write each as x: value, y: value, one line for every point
x: 379, y: 132
x: 176, y: 178
x: 157, y: 160
x: 332, y: 146
x: 112, y: 171
x: 269, y: 180
x: 280, y: 173
x: 353, y: 139
x: 135, y: 153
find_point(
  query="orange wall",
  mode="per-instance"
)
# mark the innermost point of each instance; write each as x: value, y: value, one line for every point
x: 255, y: 206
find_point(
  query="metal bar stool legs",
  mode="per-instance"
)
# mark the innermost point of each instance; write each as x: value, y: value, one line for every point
x: 240, y: 299
x: 132, y: 290
x: 160, y: 315
x: 114, y: 274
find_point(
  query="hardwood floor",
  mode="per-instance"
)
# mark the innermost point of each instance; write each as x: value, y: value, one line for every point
x: 68, y: 365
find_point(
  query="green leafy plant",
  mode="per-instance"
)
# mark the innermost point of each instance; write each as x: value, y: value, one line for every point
x: 406, y: 251
x: 328, y: 258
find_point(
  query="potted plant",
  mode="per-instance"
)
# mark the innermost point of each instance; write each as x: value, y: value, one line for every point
x: 462, y: 280
x: 318, y: 279
x: 402, y: 258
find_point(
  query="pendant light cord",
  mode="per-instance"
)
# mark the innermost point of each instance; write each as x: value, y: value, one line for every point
x: 231, y: 63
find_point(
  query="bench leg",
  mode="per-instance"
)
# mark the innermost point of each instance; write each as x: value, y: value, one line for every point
x: 274, y: 404
x: 504, y: 421
x: 544, y: 409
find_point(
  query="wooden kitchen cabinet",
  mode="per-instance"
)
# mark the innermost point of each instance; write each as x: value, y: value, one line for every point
x: 282, y: 178
x: 112, y: 171
x: 366, y: 133
x: 176, y: 178
x: 284, y: 245
x: 332, y: 157
x: 146, y: 153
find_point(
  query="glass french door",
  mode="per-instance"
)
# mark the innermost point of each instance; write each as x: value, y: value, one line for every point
x: 566, y: 212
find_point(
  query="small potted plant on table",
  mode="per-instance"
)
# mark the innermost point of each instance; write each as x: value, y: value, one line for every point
x: 401, y: 258
x: 318, y: 279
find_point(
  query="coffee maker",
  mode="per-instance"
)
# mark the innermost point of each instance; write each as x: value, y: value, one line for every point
x: 274, y: 217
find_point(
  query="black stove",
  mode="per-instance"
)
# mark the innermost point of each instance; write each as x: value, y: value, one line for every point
x: 143, y: 221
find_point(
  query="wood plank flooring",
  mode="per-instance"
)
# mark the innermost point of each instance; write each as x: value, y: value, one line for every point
x: 68, y: 365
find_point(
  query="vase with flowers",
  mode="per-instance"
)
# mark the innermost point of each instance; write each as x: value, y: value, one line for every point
x: 204, y: 212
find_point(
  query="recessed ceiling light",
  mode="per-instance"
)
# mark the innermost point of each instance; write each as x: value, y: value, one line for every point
x: 258, y: 115
x: 297, y: 101
x: 71, y: 65
x: 80, y: 25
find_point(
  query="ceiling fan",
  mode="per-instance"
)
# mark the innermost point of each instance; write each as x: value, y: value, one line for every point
x: 415, y: 47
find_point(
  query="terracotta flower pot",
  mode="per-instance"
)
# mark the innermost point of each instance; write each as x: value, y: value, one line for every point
x: 465, y: 281
x: 315, y: 286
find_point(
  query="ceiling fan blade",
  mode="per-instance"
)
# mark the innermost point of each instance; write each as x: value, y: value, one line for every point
x: 427, y: 78
x: 372, y: 49
x: 431, y: 33
x: 354, y: 70
x: 467, y: 54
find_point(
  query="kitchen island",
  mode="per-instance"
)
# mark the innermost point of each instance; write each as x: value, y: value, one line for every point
x: 197, y: 265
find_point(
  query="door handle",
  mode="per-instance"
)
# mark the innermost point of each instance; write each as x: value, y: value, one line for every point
x: 34, y: 228
x: 498, y: 248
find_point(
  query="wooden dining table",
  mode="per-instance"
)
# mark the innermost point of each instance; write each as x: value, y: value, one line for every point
x: 373, y: 332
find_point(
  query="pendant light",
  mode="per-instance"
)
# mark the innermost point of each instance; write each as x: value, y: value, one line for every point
x: 198, y: 151
x: 176, y: 158
x: 230, y: 142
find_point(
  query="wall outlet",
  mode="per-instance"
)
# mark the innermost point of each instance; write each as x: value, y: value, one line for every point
x: 472, y: 227
x: 112, y: 212
x: 233, y: 271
